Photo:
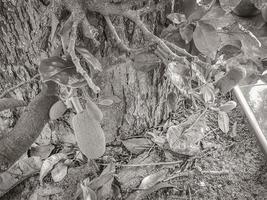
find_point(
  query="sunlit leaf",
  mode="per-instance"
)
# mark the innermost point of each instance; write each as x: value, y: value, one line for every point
x: 223, y: 121
x: 206, y: 39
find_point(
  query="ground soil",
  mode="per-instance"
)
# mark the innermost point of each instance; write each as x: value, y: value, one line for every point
x: 239, y: 155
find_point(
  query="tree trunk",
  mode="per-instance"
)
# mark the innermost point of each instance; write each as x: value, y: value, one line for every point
x: 25, y: 39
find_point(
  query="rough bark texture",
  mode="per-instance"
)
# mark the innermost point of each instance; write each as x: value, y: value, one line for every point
x: 26, y: 31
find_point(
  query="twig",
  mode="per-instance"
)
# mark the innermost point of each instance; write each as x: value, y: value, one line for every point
x: 134, y: 15
x: 192, y: 173
x: 76, y: 60
x: 115, y: 34
x: 147, y: 164
x: 17, y: 86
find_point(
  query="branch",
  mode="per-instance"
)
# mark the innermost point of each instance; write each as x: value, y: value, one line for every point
x: 123, y: 10
x: 17, y: 86
x: 28, y: 127
x: 76, y: 60
x: 8, y: 103
x: 121, y: 45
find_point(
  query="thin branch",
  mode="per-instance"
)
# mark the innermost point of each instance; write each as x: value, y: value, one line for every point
x: 123, y: 10
x: 17, y: 86
x: 115, y: 34
x: 76, y: 60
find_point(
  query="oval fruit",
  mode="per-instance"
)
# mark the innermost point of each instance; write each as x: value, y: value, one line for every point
x: 57, y: 110
x: 246, y: 9
x: 89, y: 135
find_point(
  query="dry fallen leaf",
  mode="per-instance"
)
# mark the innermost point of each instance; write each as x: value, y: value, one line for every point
x: 49, y: 163
x: 59, y: 172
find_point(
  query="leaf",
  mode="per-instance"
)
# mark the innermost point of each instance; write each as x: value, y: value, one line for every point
x: 185, y: 141
x: 208, y: 93
x: 60, y: 71
x: 106, y: 102
x: 229, y: 5
x: 59, y: 172
x: 57, y: 110
x: 92, y: 108
x: 228, y: 106
x: 197, y: 14
x: 177, y: 18
x: 89, y: 135
x: 152, y: 179
x: 136, y: 145
x: 223, y: 121
x: 206, y: 39
x: 90, y: 59
x: 49, y: 163
x: 43, y: 151
x: 187, y: 32
x: 231, y: 79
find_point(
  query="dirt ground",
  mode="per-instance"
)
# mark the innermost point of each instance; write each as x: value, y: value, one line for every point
x: 231, y: 167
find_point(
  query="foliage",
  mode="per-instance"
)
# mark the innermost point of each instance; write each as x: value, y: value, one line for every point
x: 224, y: 51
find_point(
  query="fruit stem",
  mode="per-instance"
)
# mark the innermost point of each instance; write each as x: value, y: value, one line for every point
x: 76, y: 103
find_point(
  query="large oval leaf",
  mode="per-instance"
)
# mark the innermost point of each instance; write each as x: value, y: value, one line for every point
x: 89, y: 134
x: 206, y: 39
